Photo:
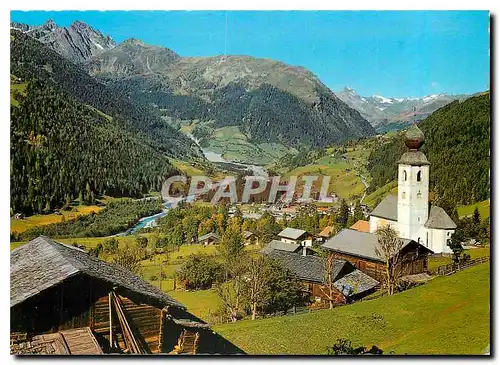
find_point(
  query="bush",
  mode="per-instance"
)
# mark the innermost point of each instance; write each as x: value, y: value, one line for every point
x: 344, y: 347
x: 200, y: 271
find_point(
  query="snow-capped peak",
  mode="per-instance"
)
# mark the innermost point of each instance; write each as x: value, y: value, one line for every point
x: 383, y: 99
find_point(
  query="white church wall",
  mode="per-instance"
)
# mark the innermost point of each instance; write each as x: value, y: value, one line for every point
x: 439, y: 240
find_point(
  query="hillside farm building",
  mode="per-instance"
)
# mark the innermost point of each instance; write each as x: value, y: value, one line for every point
x: 350, y: 284
x: 209, y: 239
x: 64, y: 301
x: 359, y: 248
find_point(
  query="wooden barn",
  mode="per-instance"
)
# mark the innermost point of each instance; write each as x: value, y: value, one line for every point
x: 349, y: 283
x: 209, y: 239
x: 64, y: 301
x: 359, y: 248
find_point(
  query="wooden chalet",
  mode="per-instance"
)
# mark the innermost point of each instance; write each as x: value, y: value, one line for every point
x: 349, y: 284
x: 250, y: 238
x: 64, y: 301
x: 325, y: 233
x: 294, y: 235
x: 359, y: 248
x: 209, y: 239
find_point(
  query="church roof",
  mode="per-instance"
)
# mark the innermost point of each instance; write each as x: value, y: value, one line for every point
x: 414, y: 158
x: 439, y: 219
x: 387, y: 208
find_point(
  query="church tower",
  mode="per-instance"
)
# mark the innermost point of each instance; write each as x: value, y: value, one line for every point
x: 413, y: 188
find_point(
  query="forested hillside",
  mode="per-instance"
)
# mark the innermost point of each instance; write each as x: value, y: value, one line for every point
x: 457, y: 144
x: 31, y: 59
x: 62, y: 150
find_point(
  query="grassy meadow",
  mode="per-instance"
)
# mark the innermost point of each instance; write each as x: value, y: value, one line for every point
x: 21, y: 225
x: 468, y: 210
x: 448, y: 315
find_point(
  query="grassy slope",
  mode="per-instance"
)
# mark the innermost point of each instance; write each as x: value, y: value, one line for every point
x: 381, y: 193
x: 468, y: 210
x: 435, y: 262
x: 448, y: 315
x: 344, y: 181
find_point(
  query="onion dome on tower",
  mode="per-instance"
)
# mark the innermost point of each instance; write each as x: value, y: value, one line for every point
x: 414, y: 139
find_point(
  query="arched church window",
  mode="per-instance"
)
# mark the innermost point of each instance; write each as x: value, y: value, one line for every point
x: 404, y: 175
x: 419, y: 176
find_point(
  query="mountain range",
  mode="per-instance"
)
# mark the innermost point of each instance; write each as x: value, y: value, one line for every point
x: 395, y: 113
x: 77, y: 43
x: 272, y: 106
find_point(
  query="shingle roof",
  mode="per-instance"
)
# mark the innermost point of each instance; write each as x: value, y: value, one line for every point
x: 309, y: 268
x: 281, y: 246
x: 387, y: 208
x: 292, y: 233
x: 213, y: 235
x: 414, y: 158
x: 439, y: 219
x: 355, y: 282
x: 356, y: 243
x: 312, y: 268
x: 43, y: 263
x: 247, y: 234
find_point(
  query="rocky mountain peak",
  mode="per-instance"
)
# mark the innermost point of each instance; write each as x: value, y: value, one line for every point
x: 50, y: 25
x: 78, y: 42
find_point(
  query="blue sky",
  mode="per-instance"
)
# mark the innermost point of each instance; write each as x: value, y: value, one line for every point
x: 394, y: 54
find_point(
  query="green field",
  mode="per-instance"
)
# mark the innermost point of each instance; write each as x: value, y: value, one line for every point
x: 344, y: 181
x: 21, y: 225
x: 234, y: 145
x: 435, y: 262
x: 468, y: 210
x: 379, y: 194
x: 448, y: 315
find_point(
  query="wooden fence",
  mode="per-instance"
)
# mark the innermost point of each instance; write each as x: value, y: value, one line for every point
x: 453, y: 268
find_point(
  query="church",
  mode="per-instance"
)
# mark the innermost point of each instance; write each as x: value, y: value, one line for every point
x: 410, y: 213
x: 422, y: 227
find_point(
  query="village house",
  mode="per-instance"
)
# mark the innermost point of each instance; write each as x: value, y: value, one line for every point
x: 211, y: 238
x: 409, y: 212
x: 294, y: 235
x: 359, y: 248
x: 64, y: 301
x: 325, y: 233
x: 249, y: 238
x: 349, y: 284
x: 286, y: 247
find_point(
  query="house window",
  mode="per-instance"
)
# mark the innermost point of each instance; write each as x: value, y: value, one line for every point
x: 418, y: 220
x: 419, y: 194
x: 427, y: 240
x: 419, y: 237
x: 419, y: 176
x: 404, y: 175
